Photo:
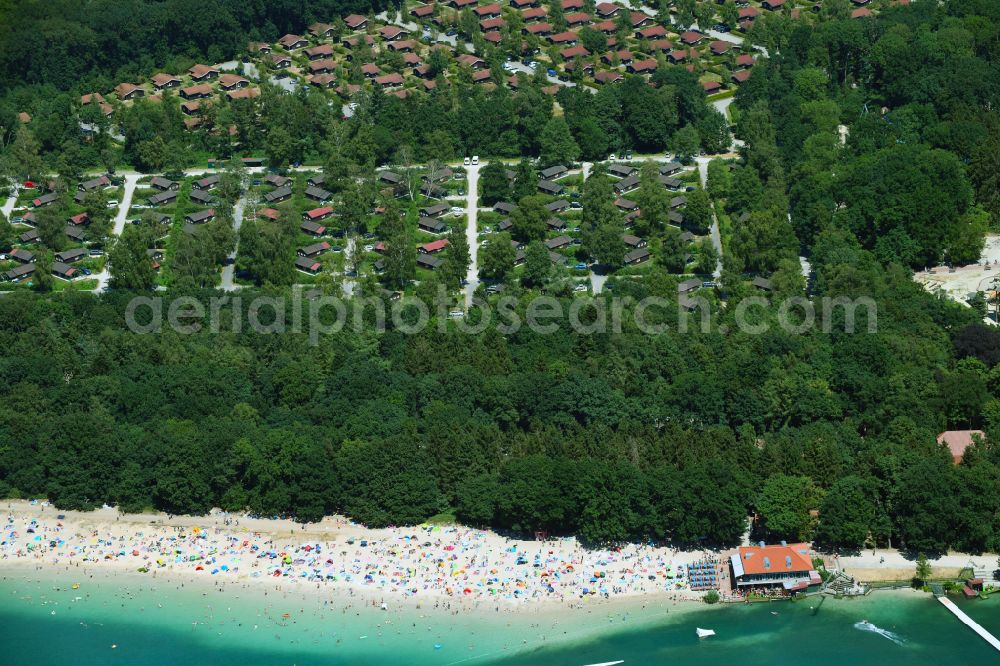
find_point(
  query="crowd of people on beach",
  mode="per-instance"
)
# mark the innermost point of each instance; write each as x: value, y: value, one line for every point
x: 427, y: 561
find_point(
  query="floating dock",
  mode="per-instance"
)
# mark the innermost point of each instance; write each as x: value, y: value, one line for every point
x: 969, y: 622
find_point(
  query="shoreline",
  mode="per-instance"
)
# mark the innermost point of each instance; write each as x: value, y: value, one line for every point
x: 425, y: 566
x: 292, y: 612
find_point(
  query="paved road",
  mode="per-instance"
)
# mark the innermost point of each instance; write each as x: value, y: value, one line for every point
x: 597, y: 282
x: 8, y: 206
x: 714, y: 231
x: 229, y: 271
x: 521, y: 67
x: 349, y: 285
x: 417, y: 32
x: 121, y: 219
x: 472, y: 233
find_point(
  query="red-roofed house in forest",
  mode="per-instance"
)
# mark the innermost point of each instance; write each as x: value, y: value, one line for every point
x: 432, y: 247
x: 958, y: 441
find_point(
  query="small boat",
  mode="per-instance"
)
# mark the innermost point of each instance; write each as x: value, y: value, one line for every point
x: 704, y: 633
x: 608, y: 663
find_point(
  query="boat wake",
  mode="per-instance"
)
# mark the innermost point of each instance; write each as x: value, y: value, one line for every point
x: 868, y: 626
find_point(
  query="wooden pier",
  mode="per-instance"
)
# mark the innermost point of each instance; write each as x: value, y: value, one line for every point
x: 969, y: 622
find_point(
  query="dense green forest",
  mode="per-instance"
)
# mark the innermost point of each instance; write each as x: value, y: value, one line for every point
x: 916, y: 92
x: 674, y: 436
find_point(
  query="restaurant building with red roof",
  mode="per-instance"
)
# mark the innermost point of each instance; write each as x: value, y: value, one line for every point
x: 788, y: 566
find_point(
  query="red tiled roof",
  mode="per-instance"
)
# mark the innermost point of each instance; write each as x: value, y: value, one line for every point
x: 752, y: 558
x: 567, y: 36
x: 320, y: 51
x: 244, y: 93
x: 319, y: 212
x: 486, y: 10
x: 719, y: 46
x: 354, y: 20
x: 434, y: 246
x: 492, y: 24
x: 652, y: 31
x: 958, y: 441
x: 199, y: 71
x: 574, y: 51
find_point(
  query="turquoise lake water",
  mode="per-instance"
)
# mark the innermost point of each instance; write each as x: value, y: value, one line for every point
x: 156, y: 623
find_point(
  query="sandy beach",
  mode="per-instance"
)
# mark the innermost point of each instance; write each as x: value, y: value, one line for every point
x: 443, y: 567
x: 453, y: 568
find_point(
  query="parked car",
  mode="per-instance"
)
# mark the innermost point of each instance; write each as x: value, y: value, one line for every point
x: 628, y: 155
x: 720, y: 27
x: 475, y: 159
x: 95, y: 252
x: 551, y: 72
x: 467, y: 161
x: 113, y: 203
x: 86, y: 271
x: 579, y: 288
x: 612, y: 157
x: 575, y: 204
x: 456, y: 314
x: 581, y: 267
